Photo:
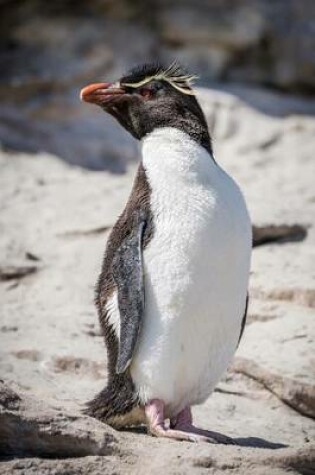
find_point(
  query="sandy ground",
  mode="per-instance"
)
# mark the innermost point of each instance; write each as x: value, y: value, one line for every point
x: 54, y: 222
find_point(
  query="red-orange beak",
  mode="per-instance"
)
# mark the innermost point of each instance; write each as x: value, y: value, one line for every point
x: 101, y: 93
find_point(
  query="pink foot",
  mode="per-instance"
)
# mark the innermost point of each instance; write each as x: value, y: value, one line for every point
x: 183, y: 422
x: 181, y: 428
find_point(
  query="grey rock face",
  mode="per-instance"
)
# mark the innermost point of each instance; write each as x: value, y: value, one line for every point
x: 31, y: 428
x: 245, y: 40
x: 251, y: 41
x: 48, y: 53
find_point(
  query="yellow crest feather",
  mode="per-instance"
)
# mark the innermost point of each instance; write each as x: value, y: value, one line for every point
x: 181, y: 82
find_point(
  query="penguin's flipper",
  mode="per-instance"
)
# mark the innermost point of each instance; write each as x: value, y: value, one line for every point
x: 128, y: 276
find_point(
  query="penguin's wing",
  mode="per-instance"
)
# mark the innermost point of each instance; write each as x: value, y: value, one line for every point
x: 128, y: 276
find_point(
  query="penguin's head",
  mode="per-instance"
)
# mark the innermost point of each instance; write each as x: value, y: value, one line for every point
x: 149, y: 97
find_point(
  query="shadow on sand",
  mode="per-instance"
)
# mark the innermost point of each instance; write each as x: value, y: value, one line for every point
x: 253, y: 442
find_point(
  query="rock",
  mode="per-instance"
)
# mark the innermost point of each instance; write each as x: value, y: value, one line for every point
x: 80, y: 137
x: 257, y: 45
x: 30, y: 428
x: 38, y: 438
x: 212, y: 62
x: 9, y: 399
x: 299, y: 396
x: 263, y: 355
x: 41, y: 109
x: 279, y: 233
x: 194, y: 459
x: 233, y: 28
x: 66, y: 48
x: 16, y: 271
x: 248, y: 41
x: 278, y: 463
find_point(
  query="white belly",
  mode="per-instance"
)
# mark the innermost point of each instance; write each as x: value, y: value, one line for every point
x: 196, y: 273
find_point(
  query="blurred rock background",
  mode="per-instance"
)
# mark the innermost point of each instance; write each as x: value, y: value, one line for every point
x: 50, y: 49
x: 66, y: 169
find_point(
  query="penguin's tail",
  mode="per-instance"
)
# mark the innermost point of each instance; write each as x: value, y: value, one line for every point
x: 117, y: 404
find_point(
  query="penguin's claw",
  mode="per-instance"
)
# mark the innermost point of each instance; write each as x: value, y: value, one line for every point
x: 183, y: 422
x: 181, y: 427
x: 162, y: 431
x: 201, y: 435
x: 189, y: 436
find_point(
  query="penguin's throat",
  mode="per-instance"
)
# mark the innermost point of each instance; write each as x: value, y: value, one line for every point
x: 175, y: 152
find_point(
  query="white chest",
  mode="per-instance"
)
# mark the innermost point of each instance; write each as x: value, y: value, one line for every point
x: 196, y: 272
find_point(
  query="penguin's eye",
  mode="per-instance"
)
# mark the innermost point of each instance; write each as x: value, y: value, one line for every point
x: 150, y: 90
x: 146, y: 92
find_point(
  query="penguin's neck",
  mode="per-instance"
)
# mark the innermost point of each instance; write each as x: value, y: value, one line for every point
x: 193, y: 126
x: 172, y: 151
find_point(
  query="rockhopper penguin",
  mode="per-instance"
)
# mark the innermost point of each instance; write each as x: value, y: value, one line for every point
x: 172, y: 293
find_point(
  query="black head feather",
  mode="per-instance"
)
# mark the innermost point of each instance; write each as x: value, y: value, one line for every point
x: 173, y: 75
x: 138, y: 73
